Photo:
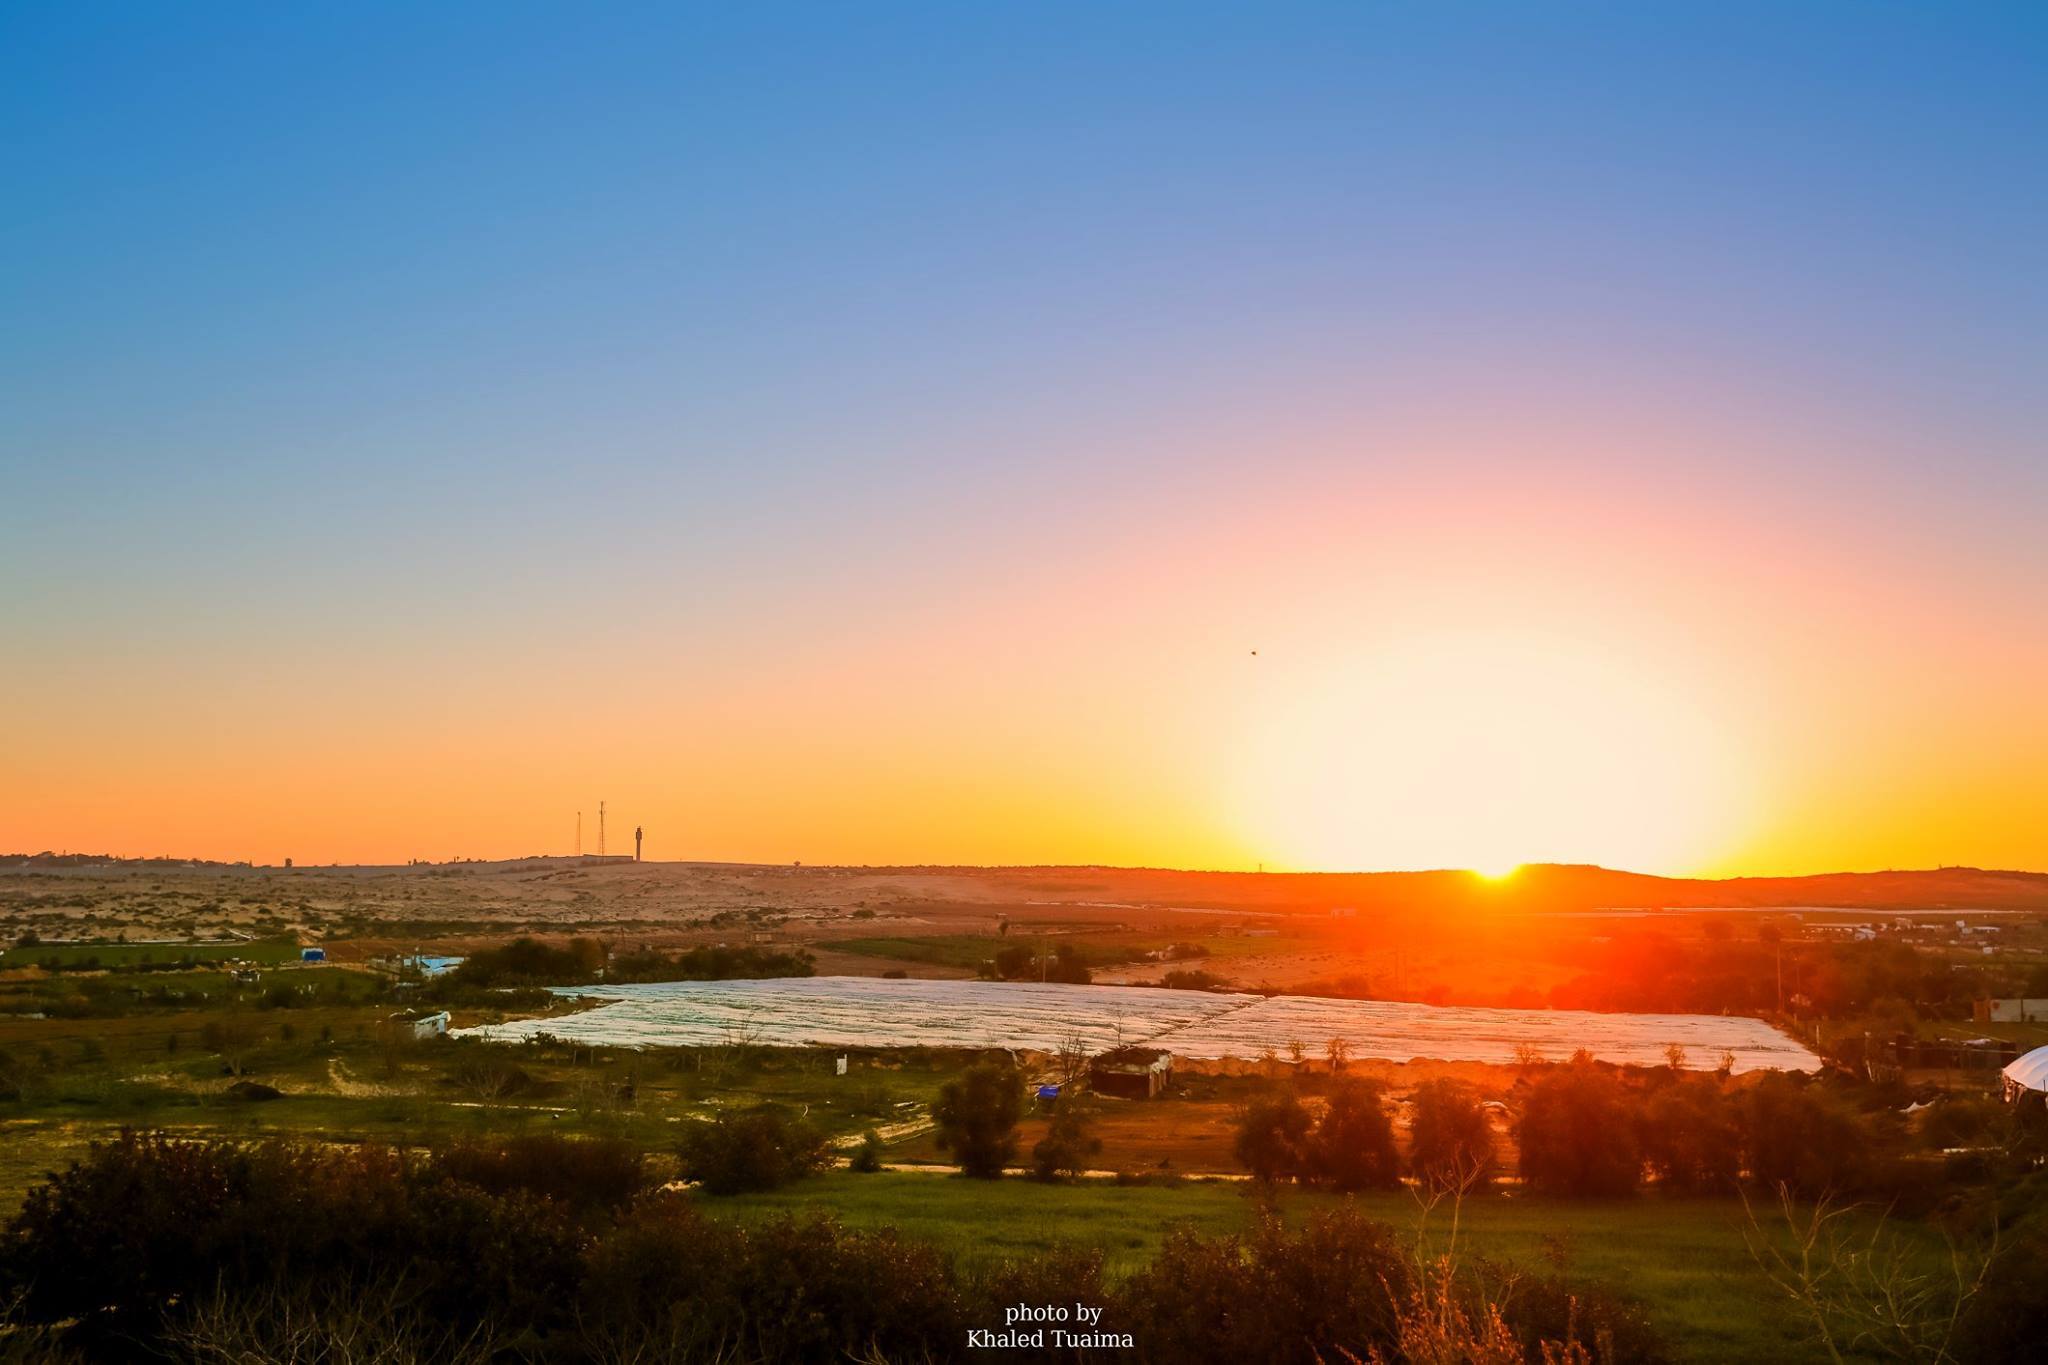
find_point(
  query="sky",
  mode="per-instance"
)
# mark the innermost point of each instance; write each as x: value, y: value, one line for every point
x: 1310, y: 436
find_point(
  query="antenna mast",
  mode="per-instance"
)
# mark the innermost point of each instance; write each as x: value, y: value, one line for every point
x: 579, y: 834
x: 600, y: 829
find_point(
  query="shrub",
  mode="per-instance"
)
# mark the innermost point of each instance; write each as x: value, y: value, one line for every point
x: 977, y: 1115
x: 488, y: 1076
x: 143, y: 1225
x: 529, y: 962
x: 1553, y: 1308
x: 1450, y: 1141
x: 1576, y: 1135
x: 1273, y: 1296
x: 758, y: 1149
x: 1690, y: 1138
x: 711, y: 964
x: 669, y: 1284
x: 1966, y: 1120
x: 580, y: 1173
x: 1067, y: 1144
x: 1272, y: 1136
x: 1185, y: 980
x: 867, y: 1158
x: 1802, y: 1139
x: 1352, y: 1144
x: 2007, y: 1319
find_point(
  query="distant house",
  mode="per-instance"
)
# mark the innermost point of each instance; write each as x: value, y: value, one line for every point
x: 312, y: 954
x: 2013, y: 1010
x: 1132, y: 1073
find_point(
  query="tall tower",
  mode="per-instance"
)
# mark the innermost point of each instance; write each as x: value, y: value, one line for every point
x: 637, y: 832
x: 579, y: 834
x: 600, y: 829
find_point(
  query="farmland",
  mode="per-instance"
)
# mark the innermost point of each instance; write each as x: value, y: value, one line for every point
x: 862, y: 1012
x: 222, y: 1036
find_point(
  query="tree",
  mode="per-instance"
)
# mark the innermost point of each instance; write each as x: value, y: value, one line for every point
x: 1271, y: 1136
x: 1352, y: 1144
x: 1067, y: 1144
x: 1576, y: 1136
x: 1690, y: 1139
x: 1013, y: 960
x: 1450, y: 1143
x: 977, y: 1115
x: 1069, y: 966
x: 1800, y: 1139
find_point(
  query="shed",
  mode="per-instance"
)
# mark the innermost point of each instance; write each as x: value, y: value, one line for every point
x: 422, y: 1025
x: 312, y: 954
x: 1132, y: 1073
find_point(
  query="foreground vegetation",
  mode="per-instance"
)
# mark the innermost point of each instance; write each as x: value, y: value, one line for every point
x: 552, y: 1249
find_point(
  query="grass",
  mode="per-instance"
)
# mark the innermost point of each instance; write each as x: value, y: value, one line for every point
x: 114, y: 956
x: 1686, y: 1260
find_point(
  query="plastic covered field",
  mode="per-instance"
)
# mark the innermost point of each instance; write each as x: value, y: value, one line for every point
x: 859, y: 1011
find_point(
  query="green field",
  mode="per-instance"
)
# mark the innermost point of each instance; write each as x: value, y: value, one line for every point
x: 1685, y: 1260
x: 115, y: 956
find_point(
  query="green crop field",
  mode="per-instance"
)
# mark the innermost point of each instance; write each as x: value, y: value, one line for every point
x: 1686, y: 1260
x: 117, y: 956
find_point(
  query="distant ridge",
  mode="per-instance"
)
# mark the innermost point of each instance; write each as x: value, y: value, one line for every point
x: 1536, y: 888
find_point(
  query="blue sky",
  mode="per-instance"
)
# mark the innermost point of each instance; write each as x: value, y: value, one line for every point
x: 421, y: 324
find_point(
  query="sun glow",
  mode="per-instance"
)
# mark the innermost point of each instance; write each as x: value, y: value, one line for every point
x: 1488, y: 752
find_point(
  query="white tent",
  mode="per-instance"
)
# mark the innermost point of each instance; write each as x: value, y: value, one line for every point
x: 2029, y: 1072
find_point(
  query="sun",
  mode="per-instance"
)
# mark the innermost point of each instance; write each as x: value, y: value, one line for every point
x: 1489, y: 751
x: 1496, y: 872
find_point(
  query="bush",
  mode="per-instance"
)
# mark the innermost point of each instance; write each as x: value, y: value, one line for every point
x: 1798, y: 1137
x: 1690, y: 1138
x: 1067, y: 1144
x: 867, y: 1158
x: 1352, y: 1144
x: 977, y: 1115
x: 1184, y: 980
x: 529, y: 962
x: 1576, y: 1135
x: 669, y: 1284
x: 145, y: 1225
x: 584, y: 1174
x: 1450, y: 1142
x: 711, y: 964
x: 1552, y: 1308
x: 1965, y: 1121
x: 2007, y: 1320
x: 759, y: 1149
x: 1273, y: 1296
x: 1272, y: 1136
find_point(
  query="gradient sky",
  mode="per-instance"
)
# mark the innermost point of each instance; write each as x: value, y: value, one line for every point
x: 862, y: 433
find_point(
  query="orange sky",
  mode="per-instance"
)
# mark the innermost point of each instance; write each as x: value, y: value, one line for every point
x: 1460, y: 661
x: 862, y: 439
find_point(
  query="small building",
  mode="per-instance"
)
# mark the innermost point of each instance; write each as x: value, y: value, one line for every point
x: 2012, y: 1010
x: 312, y: 954
x: 422, y: 1025
x: 1132, y: 1073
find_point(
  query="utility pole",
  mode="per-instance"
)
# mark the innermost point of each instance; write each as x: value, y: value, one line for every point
x: 600, y: 829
